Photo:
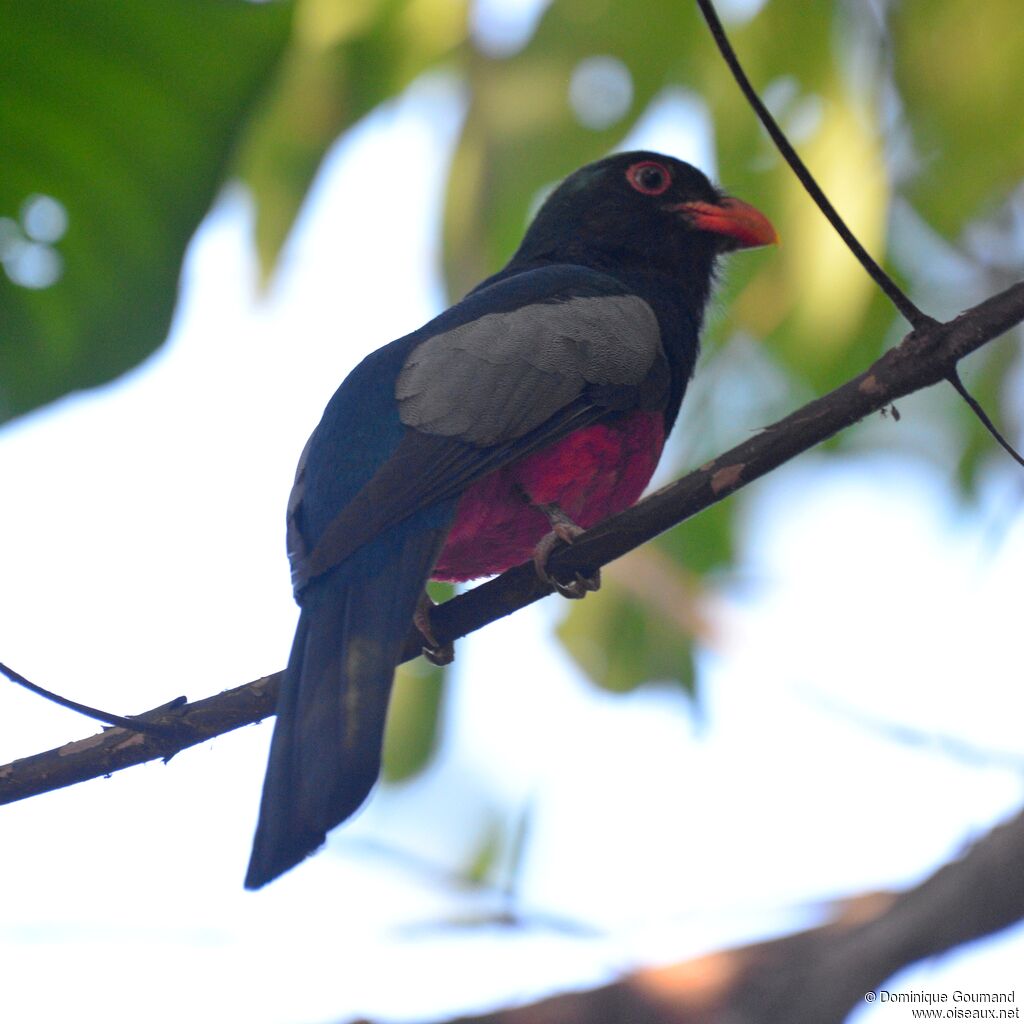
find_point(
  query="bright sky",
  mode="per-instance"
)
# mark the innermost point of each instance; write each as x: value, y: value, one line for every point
x: 142, y: 557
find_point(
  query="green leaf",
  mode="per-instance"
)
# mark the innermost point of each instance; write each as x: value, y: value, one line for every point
x: 639, y: 628
x: 414, y: 714
x: 522, y: 131
x: 958, y: 69
x: 413, y: 719
x: 811, y: 298
x: 123, y: 116
x: 487, y: 853
x: 703, y: 544
x: 344, y: 59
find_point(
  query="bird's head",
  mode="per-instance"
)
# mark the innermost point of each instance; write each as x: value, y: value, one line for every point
x: 642, y: 211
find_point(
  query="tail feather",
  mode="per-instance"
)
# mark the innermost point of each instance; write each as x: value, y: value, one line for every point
x: 326, y: 749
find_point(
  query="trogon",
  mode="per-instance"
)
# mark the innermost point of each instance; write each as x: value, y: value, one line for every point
x: 530, y: 410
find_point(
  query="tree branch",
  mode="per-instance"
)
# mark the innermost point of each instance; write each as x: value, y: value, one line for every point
x: 816, y: 976
x: 925, y: 357
x: 114, y: 749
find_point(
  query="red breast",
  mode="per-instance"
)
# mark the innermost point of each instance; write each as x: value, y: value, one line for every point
x: 590, y: 475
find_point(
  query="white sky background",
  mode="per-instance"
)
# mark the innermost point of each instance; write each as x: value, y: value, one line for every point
x: 142, y: 556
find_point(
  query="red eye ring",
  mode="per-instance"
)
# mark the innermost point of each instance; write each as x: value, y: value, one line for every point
x: 649, y: 178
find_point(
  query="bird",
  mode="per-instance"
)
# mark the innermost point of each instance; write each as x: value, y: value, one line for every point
x: 528, y: 411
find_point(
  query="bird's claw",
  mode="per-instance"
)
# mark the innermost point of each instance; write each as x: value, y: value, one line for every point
x: 436, y: 653
x: 440, y: 655
x: 579, y: 587
x: 562, y: 529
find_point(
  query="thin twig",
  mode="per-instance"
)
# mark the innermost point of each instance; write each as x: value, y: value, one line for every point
x: 896, y: 295
x: 954, y: 379
x: 119, y: 721
x: 944, y: 744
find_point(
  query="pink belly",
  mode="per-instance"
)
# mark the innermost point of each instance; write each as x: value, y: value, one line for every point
x: 590, y: 475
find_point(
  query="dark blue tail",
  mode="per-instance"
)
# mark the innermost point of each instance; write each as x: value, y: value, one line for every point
x: 325, y: 754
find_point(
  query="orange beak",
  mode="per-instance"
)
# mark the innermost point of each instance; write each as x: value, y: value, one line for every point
x: 743, y: 225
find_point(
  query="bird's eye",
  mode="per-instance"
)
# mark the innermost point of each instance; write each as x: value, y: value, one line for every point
x: 649, y: 178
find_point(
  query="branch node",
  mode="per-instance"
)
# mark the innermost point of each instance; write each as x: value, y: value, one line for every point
x: 136, y: 724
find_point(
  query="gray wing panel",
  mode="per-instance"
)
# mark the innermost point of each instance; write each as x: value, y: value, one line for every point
x: 499, y: 377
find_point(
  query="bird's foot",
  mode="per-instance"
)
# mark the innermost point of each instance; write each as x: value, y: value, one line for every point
x: 436, y: 653
x: 562, y: 529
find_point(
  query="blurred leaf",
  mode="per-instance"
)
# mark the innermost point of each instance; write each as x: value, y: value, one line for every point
x: 125, y: 115
x: 749, y: 165
x: 522, y: 132
x: 958, y: 69
x: 414, y: 714
x: 485, y: 856
x: 413, y: 719
x: 821, y: 311
x: 702, y: 544
x: 827, y: 290
x: 640, y: 627
x: 344, y: 59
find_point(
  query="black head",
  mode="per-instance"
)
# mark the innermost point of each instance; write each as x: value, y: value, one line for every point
x: 641, y: 211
